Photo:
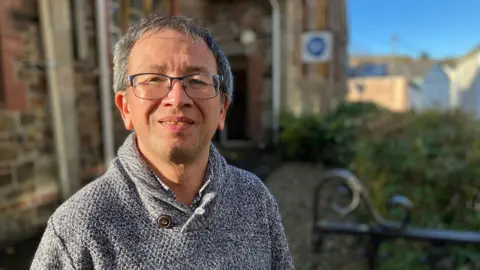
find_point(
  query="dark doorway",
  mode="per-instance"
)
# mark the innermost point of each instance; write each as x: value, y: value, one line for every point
x: 237, y: 114
x: 237, y: 122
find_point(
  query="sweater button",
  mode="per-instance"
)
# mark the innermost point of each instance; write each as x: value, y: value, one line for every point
x: 164, y: 221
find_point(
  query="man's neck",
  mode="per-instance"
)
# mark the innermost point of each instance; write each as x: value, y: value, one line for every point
x: 184, y: 179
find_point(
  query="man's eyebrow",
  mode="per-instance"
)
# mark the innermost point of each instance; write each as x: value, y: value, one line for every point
x: 193, y: 69
x: 157, y: 68
x: 188, y: 69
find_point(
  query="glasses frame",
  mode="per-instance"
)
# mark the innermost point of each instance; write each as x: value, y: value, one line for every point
x: 181, y: 79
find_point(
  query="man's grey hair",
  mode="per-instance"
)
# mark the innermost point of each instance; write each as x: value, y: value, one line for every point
x: 155, y: 23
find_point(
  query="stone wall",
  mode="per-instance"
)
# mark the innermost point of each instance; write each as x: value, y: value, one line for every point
x: 313, y: 88
x: 89, y: 103
x: 28, y: 186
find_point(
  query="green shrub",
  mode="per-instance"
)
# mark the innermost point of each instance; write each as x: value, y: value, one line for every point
x: 341, y: 131
x: 330, y: 140
x: 301, y: 137
x: 432, y: 157
x: 433, y: 161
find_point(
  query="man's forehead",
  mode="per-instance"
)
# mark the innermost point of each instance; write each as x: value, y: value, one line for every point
x: 174, y: 41
x: 157, y: 52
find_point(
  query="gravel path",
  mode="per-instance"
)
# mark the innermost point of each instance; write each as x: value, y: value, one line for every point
x: 293, y: 184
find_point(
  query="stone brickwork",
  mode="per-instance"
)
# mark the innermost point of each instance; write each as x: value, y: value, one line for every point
x: 89, y: 103
x: 12, y: 90
x: 28, y: 185
x: 313, y: 88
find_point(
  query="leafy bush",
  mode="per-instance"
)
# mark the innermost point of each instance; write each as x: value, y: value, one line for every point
x: 433, y: 160
x: 431, y: 157
x: 330, y: 140
x: 300, y: 136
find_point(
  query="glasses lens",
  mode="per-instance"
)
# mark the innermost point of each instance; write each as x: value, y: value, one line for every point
x: 151, y: 86
x: 201, y: 86
x: 155, y: 86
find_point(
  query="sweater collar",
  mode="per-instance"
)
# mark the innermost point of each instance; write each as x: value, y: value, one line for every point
x: 151, y: 190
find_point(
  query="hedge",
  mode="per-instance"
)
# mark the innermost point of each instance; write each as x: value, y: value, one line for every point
x: 432, y: 157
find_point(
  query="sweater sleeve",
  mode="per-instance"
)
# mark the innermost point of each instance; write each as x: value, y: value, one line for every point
x: 281, y: 256
x: 51, y: 252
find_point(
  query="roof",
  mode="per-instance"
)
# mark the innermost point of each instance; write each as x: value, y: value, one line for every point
x: 473, y: 52
x: 449, y: 62
x: 467, y: 68
x: 396, y: 65
x: 452, y: 62
x: 357, y: 59
x: 410, y: 70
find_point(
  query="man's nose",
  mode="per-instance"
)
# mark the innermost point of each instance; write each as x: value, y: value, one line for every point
x: 177, y: 96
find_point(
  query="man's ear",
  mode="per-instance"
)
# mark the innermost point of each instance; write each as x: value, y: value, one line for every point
x: 121, y: 101
x: 223, y: 112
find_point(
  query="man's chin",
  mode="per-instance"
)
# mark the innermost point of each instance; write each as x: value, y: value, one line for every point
x: 182, y: 154
x: 178, y: 150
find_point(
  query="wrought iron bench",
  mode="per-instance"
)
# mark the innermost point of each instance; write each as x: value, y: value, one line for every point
x: 381, y: 229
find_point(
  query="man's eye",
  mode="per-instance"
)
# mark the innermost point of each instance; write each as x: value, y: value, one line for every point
x: 196, y: 81
x: 156, y: 79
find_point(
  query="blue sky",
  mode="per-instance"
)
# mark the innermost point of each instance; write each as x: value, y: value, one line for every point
x: 440, y: 27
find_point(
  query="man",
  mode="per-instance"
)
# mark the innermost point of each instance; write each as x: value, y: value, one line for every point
x: 168, y: 200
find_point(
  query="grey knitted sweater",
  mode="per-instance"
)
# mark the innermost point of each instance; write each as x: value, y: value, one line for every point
x: 126, y: 220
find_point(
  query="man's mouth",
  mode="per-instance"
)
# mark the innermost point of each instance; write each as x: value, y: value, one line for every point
x: 173, y: 123
x: 176, y: 121
x: 176, y: 124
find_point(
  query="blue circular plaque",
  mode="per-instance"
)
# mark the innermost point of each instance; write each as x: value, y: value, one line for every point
x: 316, y: 46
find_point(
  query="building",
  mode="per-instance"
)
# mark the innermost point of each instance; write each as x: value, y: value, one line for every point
x: 465, y: 92
x: 394, y: 82
x: 316, y: 88
x: 391, y: 92
x: 435, y: 88
x: 50, y: 124
x: 452, y: 84
x: 58, y: 125
x: 444, y: 85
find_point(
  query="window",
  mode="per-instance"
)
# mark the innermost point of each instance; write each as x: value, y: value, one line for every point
x: 2, y: 90
x: 115, y: 22
x: 125, y: 13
